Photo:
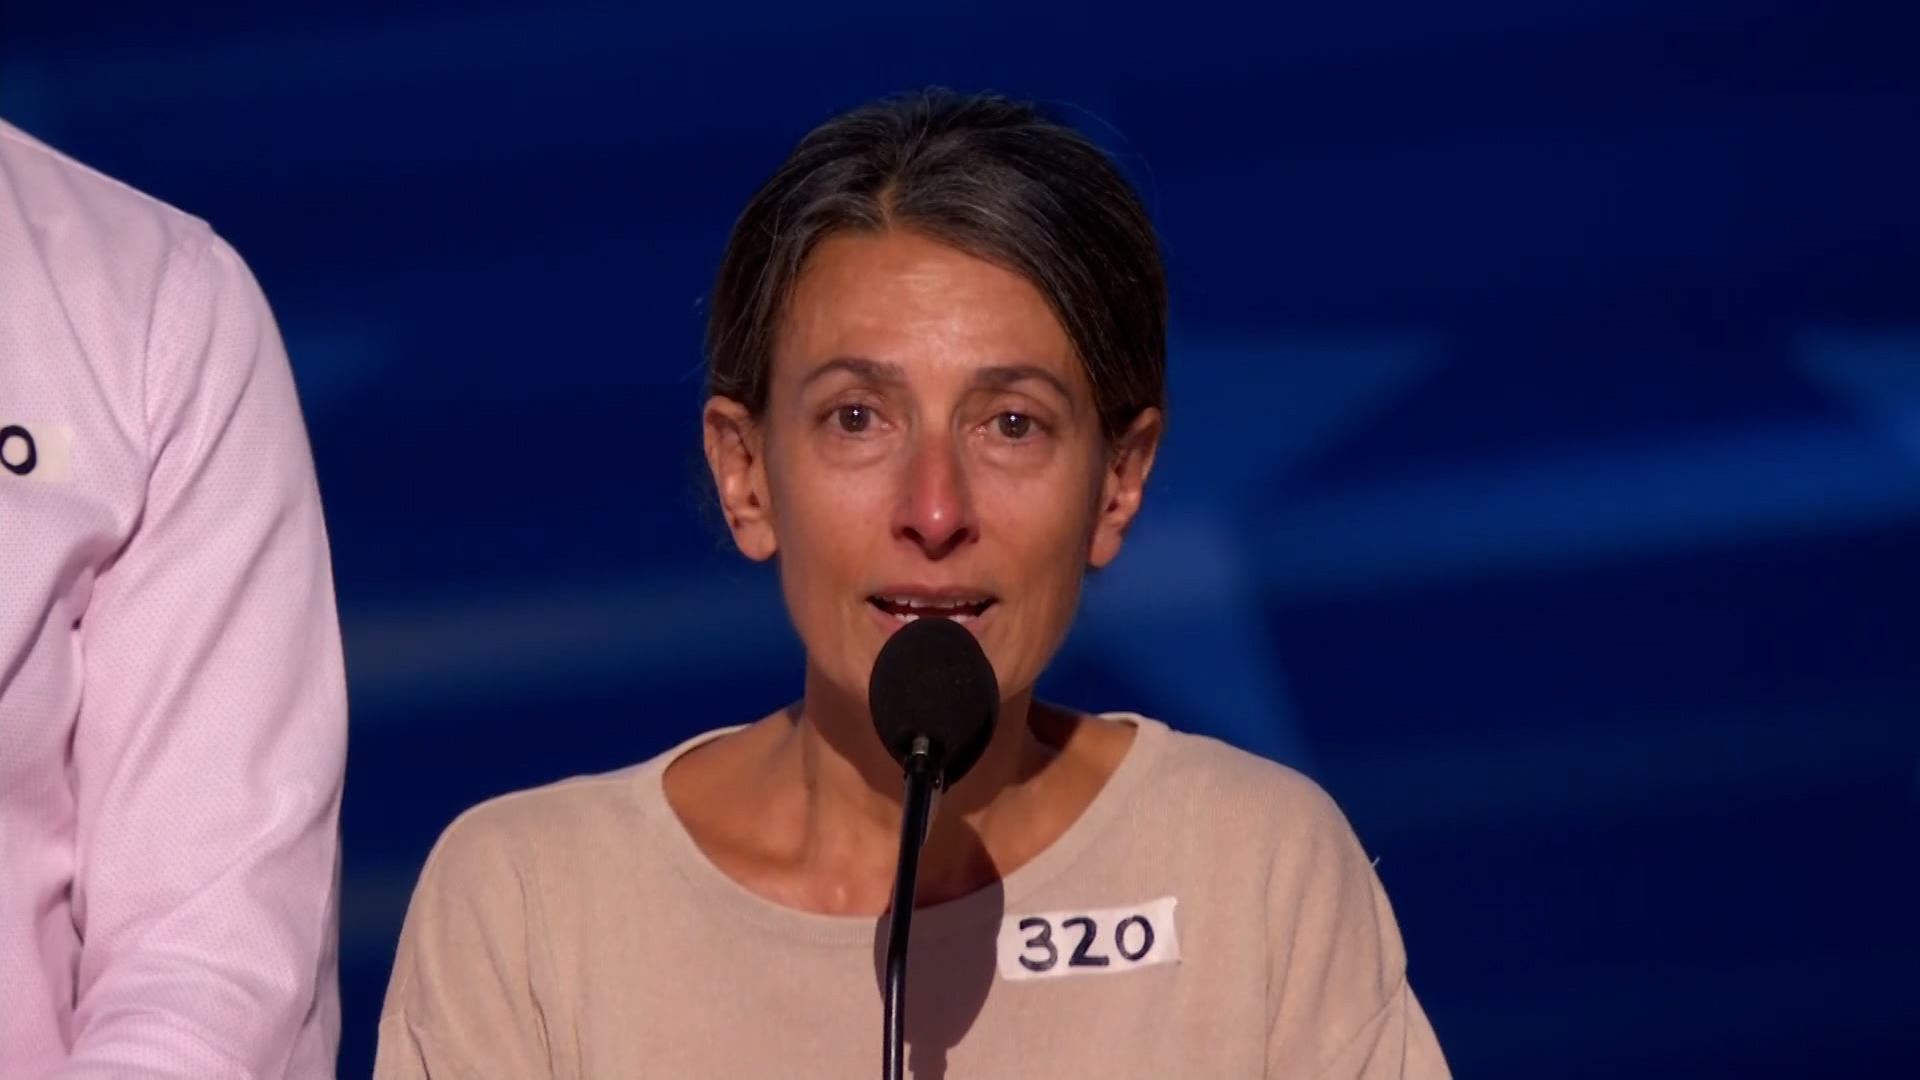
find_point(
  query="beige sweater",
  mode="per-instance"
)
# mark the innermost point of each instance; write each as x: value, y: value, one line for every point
x: 1210, y: 915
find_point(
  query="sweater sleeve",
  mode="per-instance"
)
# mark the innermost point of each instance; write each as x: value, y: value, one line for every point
x: 1341, y: 1005
x: 461, y: 1003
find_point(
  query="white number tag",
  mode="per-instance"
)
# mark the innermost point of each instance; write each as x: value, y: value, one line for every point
x: 35, y: 451
x: 1109, y: 941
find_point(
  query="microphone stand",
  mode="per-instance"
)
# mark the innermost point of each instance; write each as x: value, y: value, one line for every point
x: 917, y: 807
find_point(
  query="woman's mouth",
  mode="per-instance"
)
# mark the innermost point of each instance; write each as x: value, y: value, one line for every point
x: 908, y: 607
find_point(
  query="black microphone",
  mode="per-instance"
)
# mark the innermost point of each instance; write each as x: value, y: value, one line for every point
x: 934, y: 700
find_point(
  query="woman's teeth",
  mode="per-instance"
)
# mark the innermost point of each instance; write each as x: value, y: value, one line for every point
x: 907, y: 609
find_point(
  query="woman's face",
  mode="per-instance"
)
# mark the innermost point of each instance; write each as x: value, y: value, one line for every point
x: 930, y: 447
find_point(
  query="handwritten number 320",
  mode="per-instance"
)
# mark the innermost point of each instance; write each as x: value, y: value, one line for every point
x: 1132, y: 939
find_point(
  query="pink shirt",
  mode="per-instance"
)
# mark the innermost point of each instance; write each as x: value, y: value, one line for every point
x: 172, y: 701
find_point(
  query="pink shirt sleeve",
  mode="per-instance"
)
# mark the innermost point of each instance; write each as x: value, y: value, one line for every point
x: 208, y: 754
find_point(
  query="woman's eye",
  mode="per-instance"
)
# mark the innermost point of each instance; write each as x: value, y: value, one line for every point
x: 853, y: 419
x: 1014, y: 426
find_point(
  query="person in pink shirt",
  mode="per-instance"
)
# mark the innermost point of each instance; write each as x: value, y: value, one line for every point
x: 172, y: 695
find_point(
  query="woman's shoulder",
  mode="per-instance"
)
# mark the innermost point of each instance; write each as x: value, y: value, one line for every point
x: 572, y: 817
x: 1242, y: 820
x: 1206, y: 775
x: 1238, y: 806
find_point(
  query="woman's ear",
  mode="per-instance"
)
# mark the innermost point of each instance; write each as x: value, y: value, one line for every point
x: 1123, y: 486
x: 734, y: 454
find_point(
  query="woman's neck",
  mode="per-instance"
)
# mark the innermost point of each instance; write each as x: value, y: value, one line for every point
x: 804, y: 806
x: 850, y: 789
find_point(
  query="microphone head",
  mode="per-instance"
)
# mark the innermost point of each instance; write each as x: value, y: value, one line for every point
x: 933, y: 681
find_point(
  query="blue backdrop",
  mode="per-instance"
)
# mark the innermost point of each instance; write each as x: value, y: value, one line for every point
x: 1544, y: 475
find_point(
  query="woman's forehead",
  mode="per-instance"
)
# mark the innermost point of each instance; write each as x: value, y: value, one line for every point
x: 904, y: 303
